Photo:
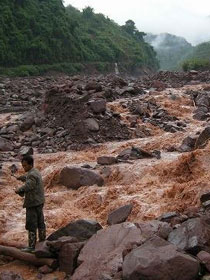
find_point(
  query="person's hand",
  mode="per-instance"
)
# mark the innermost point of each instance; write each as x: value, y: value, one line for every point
x: 20, y: 193
x: 16, y: 190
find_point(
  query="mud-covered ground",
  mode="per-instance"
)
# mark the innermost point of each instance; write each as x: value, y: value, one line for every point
x: 154, y: 186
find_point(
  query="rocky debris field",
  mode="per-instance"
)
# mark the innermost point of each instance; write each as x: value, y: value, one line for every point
x: 125, y: 164
x: 65, y: 113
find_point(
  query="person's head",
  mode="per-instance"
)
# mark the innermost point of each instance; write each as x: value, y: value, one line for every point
x: 27, y: 162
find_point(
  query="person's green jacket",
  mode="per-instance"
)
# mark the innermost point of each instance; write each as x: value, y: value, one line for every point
x: 33, y: 190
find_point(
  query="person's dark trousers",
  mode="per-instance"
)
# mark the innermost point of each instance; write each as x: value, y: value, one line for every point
x: 34, y: 221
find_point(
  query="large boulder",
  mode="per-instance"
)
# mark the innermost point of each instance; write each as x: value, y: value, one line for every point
x: 68, y: 256
x: 203, y: 138
x: 81, y: 229
x: 75, y: 177
x: 103, y: 253
x: 192, y: 236
x: 157, y: 259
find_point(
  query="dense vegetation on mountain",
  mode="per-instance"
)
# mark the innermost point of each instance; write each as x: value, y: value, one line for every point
x: 41, y: 33
x: 199, y: 59
x: 171, y: 50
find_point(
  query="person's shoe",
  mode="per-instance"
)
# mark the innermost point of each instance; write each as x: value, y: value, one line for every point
x: 28, y: 250
x: 42, y: 234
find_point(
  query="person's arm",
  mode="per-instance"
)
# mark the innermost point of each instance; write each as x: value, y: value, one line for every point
x: 29, y: 185
x: 21, y: 178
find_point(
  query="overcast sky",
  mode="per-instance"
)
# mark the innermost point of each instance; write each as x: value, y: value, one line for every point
x: 187, y: 18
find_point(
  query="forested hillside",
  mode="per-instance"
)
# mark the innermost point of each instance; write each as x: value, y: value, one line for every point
x: 199, y: 58
x: 44, y: 32
x: 171, y: 50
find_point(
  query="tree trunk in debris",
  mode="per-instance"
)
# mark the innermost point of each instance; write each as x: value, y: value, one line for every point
x: 27, y: 257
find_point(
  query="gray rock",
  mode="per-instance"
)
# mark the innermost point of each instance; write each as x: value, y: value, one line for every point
x: 103, y: 252
x: 68, y: 257
x: 10, y: 275
x: 203, y: 138
x: 192, y: 236
x: 106, y: 160
x: 98, y: 106
x: 119, y: 215
x: 28, y: 121
x: 205, y: 196
x: 26, y: 151
x: 42, y: 250
x: 168, y: 216
x: 188, y: 144
x: 157, y: 259
x: 5, y: 145
x: 81, y: 229
x: 92, y: 124
x: 75, y: 177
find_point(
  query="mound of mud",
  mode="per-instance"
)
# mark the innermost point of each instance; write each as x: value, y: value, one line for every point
x: 83, y: 119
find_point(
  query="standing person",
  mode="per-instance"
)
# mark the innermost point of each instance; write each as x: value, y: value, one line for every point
x: 33, y: 192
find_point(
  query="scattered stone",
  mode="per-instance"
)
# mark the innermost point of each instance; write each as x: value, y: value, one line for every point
x: 106, y: 160
x: 205, y: 196
x: 188, y: 144
x: 10, y: 275
x: 204, y: 258
x: 98, y: 106
x: 42, y: 250
x: 13, y: 168
x: 5, y: 145
x: 26, y: 151
x: 119, y: 215
x: 45, y: 269
x: 167, y: 217
x: 134, y: 153
x: 28, y: 121
x: 206, y: 204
